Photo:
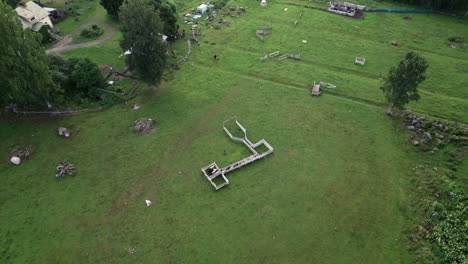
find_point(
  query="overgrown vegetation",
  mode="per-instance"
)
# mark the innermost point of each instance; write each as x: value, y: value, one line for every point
x: 439, y: 197
x: 79, y: 78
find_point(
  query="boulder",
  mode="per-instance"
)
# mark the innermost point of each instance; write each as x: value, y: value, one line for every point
x: 427, y: 135
x: 63, y: 132
x: 144, y: 126
x: 415, y: 142
x: 15, y: 160
x: 410, y: 127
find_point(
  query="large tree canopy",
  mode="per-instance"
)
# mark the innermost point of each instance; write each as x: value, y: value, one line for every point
x: 24, y: 71
x: 400, y: 87
x: 141, y: 24
x: 167, y: 11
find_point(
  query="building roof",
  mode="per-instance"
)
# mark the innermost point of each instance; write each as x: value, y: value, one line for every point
x: 30, y: 14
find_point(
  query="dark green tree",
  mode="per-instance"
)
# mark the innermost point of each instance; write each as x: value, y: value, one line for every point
x: 140, y: 25
x: 24, y: 72
x: 85, y: 77
x: 112, y: 7
x: 167, y: 10
x: 168, y: 14
x: 401, y: 84
x: 12, y: 3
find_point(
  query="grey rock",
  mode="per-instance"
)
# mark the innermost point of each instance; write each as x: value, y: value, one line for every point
x: 63, y: 132
x: 415, y: 142
x: 428, y: 135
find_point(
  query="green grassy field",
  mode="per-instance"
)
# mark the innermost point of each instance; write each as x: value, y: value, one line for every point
x: 334, y: 191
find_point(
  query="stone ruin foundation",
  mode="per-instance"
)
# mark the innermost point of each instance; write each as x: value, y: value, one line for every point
x: 212, y: 171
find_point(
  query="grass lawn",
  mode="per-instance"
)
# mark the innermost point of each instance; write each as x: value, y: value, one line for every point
x: 108, y: 54
x: 334, y: 190
x: 86, y: 9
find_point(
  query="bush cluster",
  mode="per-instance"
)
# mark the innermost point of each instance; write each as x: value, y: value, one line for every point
x: 78, y: 78
x: 91, y: 32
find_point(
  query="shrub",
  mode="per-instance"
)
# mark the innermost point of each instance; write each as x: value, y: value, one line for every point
x: 91, y: 32
x: 456, y: 39
x: 44, y: 31
x: 220, y: 4
x: 85, y: 76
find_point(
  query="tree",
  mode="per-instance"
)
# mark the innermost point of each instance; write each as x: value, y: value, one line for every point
x: 168, y: 14
x: 167, y: 11
x: 76, y: 76
x: 140, y: 25
x: 400, y: 86
x: 12, y: 3
x: 85, y: 77
x: 24, y: 71
x: 112, y: 7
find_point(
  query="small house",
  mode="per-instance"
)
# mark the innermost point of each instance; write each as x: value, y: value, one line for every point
x: 202, y: 9
x: 33, y: 16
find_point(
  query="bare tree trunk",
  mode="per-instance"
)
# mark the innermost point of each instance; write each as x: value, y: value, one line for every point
x: 389, y: 112
x: 466, y: 14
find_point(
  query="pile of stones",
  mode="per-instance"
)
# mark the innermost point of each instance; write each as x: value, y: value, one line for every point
x: 429, y: 134
x: 63, y: 169
x: 144, y: 126
x: 20, y: 153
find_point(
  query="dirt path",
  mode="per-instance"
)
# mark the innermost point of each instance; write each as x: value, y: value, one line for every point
x: 65, y: 43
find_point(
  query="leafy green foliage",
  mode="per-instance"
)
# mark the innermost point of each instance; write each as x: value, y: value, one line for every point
x: 400, y: 87
x: 167, y: 11
x: 78, y: 77
x: 450, y: 234
x: 85, y: 76
x: 168, y: 14
x: 112, y: 7
x: 24, y: 74
x: 44, y: 31
x: 141, y: 25
x: 91, y: 32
